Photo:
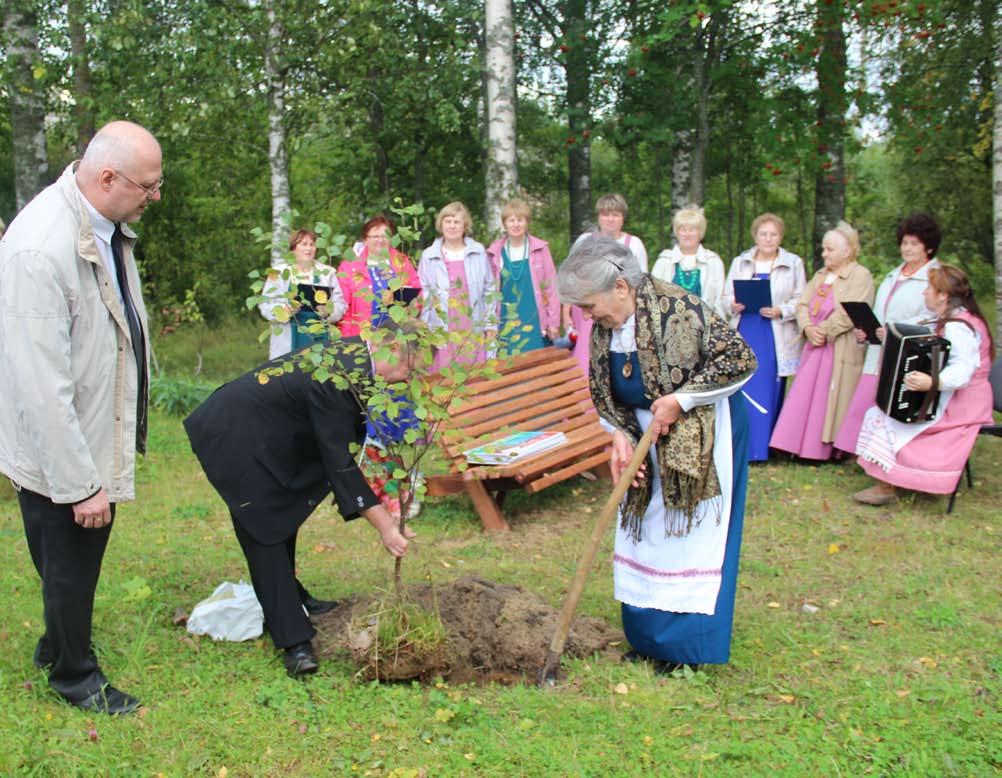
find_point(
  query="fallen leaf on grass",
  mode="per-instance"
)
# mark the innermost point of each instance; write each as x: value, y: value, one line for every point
x: 320, y: 548
x: 621, y: 688
x: 877, y: 622
x: 786, y: 699
x: 444, y: 715
x: 445, y: 564
x: 189, y: 642
x: 927, y: 662
x: 833, y: 548
x: 772, y: 605
x: 902, y: 693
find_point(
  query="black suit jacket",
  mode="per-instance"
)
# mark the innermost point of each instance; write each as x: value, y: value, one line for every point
x: 274, y: 451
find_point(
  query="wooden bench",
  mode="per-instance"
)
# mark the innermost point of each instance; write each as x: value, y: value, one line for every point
x: 538, y: 390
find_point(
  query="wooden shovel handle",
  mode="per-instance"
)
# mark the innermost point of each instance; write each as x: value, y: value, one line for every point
x: 609, y: 511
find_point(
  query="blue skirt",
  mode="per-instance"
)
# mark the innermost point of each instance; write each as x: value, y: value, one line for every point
x: 764, y: 388
x: 697, y: 638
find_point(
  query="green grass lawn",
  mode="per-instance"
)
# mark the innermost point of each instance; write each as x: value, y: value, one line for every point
x: 895, y: 673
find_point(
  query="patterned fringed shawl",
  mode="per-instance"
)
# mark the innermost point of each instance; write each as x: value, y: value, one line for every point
x: 682, y: 347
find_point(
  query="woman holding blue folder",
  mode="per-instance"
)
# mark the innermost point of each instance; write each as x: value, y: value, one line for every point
x: 771, y: 330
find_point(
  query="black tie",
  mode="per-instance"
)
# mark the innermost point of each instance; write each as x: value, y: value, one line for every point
x: 135, y: 334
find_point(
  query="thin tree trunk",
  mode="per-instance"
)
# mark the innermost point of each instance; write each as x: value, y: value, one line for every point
x: 278, y: 158
x: 376, y: 123
x: 501, y: 167
x: 829, y: 180
x: 997, y: 173
x: 731, y: 248
x: 659, y: 177
x: 27, y: 109
x: 578, y: 78
x: 681, y: 170
x: 83, y: 97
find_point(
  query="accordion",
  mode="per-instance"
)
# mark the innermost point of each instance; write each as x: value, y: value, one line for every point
x: 910, y: 348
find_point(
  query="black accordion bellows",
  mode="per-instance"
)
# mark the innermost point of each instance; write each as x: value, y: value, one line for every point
x: 910, y: 348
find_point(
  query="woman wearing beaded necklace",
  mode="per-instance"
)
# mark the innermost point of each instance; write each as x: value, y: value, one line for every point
x: 525, y: 275
x: 900, y: 298
x: 690, y: 265
x: 832, y: 359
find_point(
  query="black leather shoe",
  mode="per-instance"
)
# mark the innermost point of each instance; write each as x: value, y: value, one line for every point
x: 315, y: 607
x: 109, y: 700
x: 300, y: 659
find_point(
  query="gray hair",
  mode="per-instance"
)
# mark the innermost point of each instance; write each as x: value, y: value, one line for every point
x: 593, y: 267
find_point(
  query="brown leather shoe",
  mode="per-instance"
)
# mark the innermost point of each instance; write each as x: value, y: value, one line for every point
x: 879, y: 494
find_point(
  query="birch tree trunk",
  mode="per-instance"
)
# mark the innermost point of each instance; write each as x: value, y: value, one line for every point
x: 82, y: 94
x: 997, y: 173
x: 829, y: 178
x: 501, y: 168
x: 278, y: 159
x: 27, y: 107
x: 681, y: 170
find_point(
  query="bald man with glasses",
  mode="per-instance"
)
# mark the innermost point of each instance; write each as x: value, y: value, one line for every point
x: 74, y: 356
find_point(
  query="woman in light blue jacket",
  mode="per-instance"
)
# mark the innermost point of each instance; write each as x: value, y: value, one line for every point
x: 458, y: 289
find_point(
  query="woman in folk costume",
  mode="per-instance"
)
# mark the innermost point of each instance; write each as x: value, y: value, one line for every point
x: 611, y: 211
x: 832, y: 360
x: 771, y: 331
x: 525, y: 275
x: 930, y: 456
x: 365, y: 281
x: 660, y: 356
x: 458, y: 290
x: 290, y: 319
x: 691, y: 265
x: 900, y: 298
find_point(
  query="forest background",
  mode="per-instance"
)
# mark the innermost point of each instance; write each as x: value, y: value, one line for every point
x: 331, y: 109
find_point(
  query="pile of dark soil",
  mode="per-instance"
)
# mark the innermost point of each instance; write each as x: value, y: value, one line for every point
x: 495, y: 633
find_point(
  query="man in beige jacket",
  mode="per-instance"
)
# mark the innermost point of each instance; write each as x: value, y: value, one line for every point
x: 73, y: 375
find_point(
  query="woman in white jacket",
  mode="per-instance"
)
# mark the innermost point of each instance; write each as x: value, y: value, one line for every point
x: 689, y: 264
x: 290, y: 318
x: 771, y: 331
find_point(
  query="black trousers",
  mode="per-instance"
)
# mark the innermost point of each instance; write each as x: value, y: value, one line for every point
x: 273, y: 574
x: 68, y: 560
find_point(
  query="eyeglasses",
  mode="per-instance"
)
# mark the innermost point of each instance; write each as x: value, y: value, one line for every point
x: 150, y: 191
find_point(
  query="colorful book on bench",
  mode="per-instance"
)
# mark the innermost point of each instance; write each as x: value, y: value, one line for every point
x: 514, y: 447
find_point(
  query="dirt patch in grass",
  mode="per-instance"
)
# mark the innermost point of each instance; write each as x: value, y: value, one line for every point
x: 495, y: 633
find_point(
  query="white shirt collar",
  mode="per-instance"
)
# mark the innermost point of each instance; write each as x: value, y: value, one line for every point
x: 103, y: 227
x: 624, y: 339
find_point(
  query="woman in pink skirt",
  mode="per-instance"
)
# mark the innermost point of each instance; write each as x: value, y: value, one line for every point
x: 900, y: 298
x: 929, y: 457
x: 832, y: 360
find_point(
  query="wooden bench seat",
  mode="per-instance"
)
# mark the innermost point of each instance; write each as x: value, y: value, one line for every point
x: 538, y: 390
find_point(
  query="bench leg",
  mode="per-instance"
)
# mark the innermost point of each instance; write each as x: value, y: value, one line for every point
x: 486, y: 507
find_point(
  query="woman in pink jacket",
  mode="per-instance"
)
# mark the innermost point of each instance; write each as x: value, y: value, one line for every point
x: 527, y: 279
x: 365, y: 281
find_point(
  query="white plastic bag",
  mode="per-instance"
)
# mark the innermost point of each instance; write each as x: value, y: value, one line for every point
x: 232, y: 612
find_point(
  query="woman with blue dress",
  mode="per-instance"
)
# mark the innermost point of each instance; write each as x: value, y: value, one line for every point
x: 660, y: 357
x: 771, y: 331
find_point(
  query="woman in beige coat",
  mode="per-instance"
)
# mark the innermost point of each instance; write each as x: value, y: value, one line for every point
x: 832, y: 360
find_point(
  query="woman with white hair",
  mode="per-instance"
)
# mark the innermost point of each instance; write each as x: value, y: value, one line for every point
x: 662, y: 358
x: 832, y: 360
x: 458, y: 289
x: 690, y: 265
